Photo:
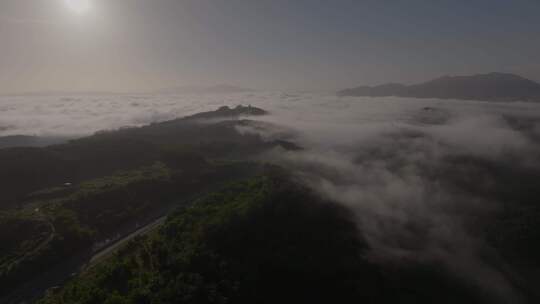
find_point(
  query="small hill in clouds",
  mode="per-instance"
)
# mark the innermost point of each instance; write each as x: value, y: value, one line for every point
x: 216, y: 89
x: 486, y: 87
x: 226, y: 112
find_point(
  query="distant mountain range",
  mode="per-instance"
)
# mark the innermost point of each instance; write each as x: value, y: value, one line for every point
x: 485, y: 87
x: 29, y: 141
x: 217, y: 89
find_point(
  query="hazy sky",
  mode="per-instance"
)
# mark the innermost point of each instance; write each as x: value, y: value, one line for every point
x: 136, y: 45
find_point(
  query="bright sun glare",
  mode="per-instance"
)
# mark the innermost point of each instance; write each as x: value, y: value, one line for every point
x: 78, y: 6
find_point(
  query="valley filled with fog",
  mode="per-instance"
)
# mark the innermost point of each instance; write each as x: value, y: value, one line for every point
x: 432, y: 182
x: 82, y: 115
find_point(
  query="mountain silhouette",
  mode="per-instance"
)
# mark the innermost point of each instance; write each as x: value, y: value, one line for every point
x: 485, y: 87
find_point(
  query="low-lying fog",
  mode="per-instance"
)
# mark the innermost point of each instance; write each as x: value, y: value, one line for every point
x: 417, y: 173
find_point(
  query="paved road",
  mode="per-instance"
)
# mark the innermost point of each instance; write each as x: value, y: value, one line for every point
x: 111, y: 248
x: 33, y: 290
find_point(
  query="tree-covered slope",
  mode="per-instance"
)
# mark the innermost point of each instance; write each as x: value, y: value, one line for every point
x: 210, y: 134
x: 267, y: 240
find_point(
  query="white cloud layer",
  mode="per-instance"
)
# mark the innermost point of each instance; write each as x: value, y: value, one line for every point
x: 398, y: 163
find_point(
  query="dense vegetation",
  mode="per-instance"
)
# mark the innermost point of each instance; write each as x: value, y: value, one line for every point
x: 26, y: 170
x: 62, y: 222
x: 267, y: 240
x: 74, y: 198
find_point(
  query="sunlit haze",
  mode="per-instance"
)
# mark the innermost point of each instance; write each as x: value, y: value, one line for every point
x: 141, y: 45
x: 269, y: 151
x: 79, y: 6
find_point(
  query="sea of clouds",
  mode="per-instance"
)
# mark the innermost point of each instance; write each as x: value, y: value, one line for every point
x: 407, y: 168
x: 327, y: 116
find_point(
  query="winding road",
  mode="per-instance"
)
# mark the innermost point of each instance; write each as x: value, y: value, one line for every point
x: 33, y: 290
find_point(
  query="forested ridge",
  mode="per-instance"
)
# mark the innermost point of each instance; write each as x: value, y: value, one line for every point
x: 265, y: 240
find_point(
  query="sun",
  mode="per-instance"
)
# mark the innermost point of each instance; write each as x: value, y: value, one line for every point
x: 78, y: 6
